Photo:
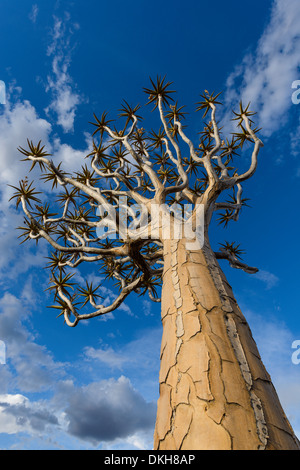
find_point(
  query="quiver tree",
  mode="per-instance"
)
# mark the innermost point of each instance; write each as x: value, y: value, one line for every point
x: 140, y: 211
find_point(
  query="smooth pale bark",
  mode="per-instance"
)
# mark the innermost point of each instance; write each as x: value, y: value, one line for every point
x: 215, y: 393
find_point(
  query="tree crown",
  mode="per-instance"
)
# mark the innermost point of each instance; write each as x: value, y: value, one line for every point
x: 130, y: 171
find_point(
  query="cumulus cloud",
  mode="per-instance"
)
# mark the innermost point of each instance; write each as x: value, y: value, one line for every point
x: 17, y: 414
x: 29, y: 365
x: 108, y: 410
x: 102, y: 411
x: 108, y: 414
x: 72, y: 159
x: 19, y: 121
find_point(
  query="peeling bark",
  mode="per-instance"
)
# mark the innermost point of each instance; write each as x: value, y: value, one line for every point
x: 215, y: 393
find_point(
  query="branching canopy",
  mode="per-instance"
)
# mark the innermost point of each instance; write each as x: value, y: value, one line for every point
x: 128, y: 172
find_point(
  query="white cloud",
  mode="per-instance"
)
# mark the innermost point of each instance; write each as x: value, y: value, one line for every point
x: 18, y: 121
x: 34, y: 13
x: 9, y: 424
x: 108, y: 410
x: 31, y: 366
x: 72, y: 159
x: 268, y: 278
x: 147, y: 307
x: 65, y: 98
x: 138, y: 359
x: 107, y: 413
x: 18, y: 414
x: 265, y: 77
x: 107, y: 356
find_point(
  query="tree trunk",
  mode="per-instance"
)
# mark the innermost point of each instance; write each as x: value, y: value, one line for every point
x: 215, y: 393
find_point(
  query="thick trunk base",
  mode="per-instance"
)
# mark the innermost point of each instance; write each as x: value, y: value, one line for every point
x: 215, y: 393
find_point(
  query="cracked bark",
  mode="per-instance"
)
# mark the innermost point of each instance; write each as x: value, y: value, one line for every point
x: 215, y: 393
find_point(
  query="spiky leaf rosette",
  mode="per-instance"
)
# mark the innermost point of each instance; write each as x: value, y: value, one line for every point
x: 161, y: 89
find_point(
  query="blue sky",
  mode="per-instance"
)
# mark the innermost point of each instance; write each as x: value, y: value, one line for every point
x: 96, y: 386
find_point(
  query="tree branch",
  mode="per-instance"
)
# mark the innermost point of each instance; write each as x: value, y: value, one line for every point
x: 234, y: 262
